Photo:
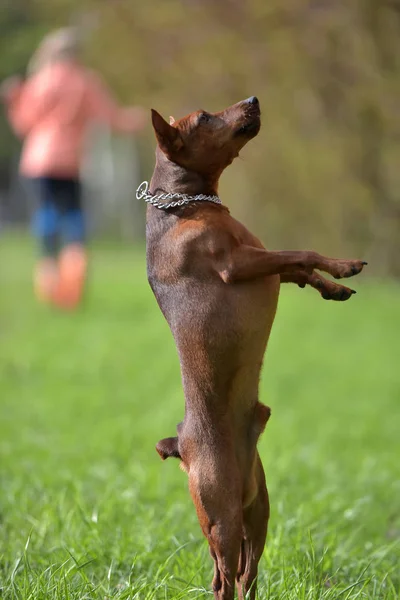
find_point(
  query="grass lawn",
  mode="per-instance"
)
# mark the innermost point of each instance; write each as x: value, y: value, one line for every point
x: 87, y: 508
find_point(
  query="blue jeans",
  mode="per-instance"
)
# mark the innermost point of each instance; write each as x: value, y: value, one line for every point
x: 58, y: 219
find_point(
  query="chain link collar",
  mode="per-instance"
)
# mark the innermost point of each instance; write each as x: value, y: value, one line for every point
x: 143, y: 193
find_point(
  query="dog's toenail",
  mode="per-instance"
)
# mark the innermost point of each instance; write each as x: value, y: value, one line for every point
x: 364, y: 263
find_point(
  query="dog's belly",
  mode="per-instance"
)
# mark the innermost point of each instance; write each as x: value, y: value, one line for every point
x: 221, y: 332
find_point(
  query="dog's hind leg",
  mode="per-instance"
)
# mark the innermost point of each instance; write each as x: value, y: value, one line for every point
x: 219, y: 510
x: 255, y: 525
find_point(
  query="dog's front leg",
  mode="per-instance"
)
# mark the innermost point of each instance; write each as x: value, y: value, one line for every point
x: 329, y: 290
x: 247, y: 262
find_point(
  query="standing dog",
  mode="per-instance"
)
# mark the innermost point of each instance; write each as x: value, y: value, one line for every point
x: 218, y: 288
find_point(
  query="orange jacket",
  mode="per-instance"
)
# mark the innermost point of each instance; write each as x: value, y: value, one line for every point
x: 51, y: 111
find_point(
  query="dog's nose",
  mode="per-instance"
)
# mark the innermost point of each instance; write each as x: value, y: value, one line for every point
x: 252, y: 100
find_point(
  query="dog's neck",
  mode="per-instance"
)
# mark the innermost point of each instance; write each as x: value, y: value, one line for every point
x: 170, y: 177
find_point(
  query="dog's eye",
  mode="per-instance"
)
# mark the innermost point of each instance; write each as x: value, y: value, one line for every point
x: 204, y: 118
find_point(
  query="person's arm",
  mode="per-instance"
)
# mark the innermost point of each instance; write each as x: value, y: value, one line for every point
x: 10, y: 93
x: 10, y: 87
x: 24, y: 101
x: 104, y: 108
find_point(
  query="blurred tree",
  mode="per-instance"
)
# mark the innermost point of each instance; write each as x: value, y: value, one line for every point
x: 323, y: 172
x: 19, y: 32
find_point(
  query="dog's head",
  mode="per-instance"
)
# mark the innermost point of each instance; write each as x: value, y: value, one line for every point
x: 205, y: 142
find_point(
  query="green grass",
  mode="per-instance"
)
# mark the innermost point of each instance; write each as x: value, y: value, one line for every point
x: 88, y: 510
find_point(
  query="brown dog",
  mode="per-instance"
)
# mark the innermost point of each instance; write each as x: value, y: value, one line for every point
x: 218, y: 289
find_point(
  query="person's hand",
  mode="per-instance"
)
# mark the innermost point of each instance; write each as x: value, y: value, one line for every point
x: 9, y: 87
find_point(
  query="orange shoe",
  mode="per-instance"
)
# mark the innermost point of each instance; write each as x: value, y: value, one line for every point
x: 45, y: 279
x: 72, y: 267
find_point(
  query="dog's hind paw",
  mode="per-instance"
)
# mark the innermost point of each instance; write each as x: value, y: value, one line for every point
x: 168, y: 447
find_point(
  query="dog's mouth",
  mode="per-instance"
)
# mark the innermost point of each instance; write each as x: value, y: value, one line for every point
x: 251, y: 126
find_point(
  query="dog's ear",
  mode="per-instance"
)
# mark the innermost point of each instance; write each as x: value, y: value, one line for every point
x: 169, y: 138
x: 171, y: 120
x: 168, y: 447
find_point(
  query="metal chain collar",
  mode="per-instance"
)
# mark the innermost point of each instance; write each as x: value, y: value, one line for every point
x: 143, y: 193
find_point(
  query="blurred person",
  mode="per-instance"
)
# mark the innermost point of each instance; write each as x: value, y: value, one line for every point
x: 51, y: 111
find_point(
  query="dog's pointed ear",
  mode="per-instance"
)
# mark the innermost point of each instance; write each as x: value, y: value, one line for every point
x: 168, y: 447
x: 169, y: 138
x: 171, y: 120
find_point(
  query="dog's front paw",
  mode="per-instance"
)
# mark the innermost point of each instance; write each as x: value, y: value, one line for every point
x: 330, y: 290
x: 346, y: 268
